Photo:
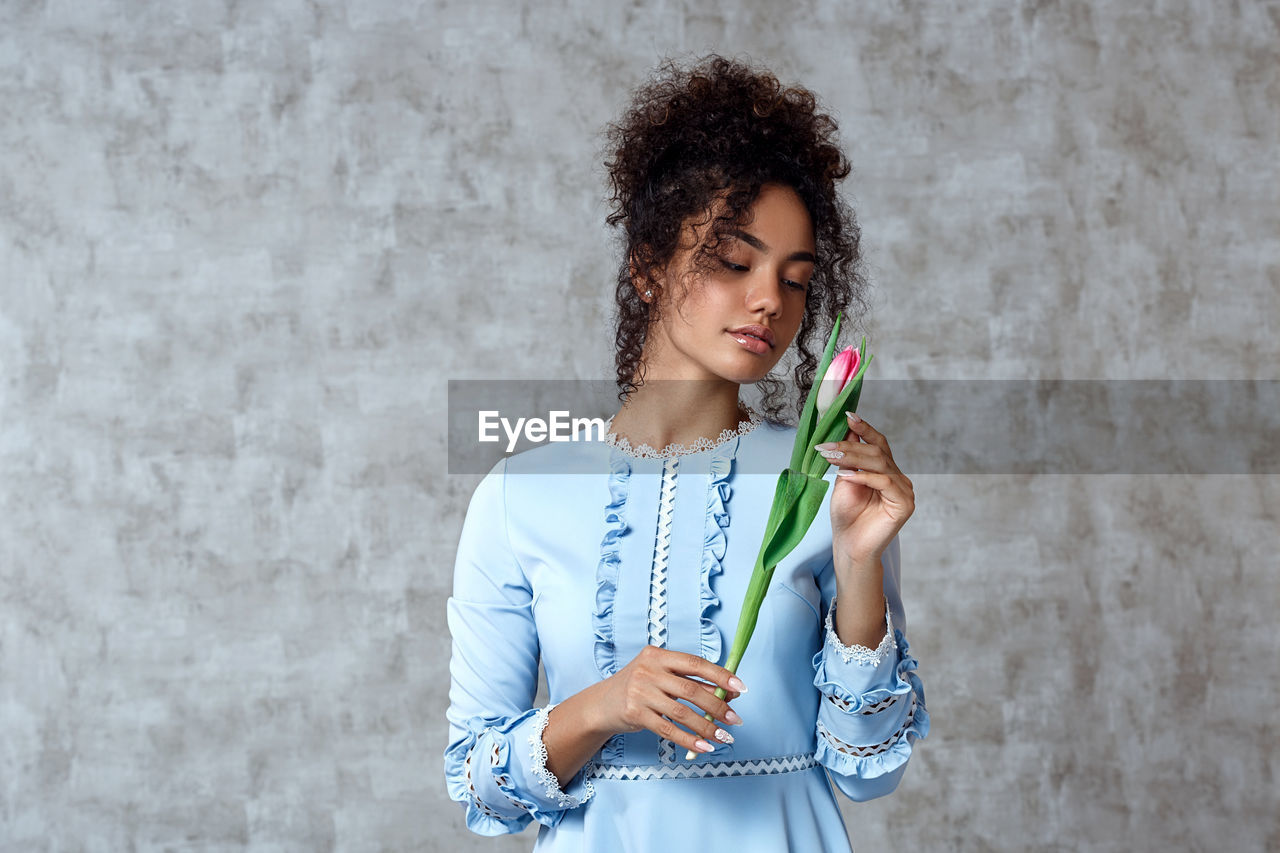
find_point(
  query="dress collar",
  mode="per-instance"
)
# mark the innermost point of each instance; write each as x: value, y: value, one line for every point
x: 644, y: 451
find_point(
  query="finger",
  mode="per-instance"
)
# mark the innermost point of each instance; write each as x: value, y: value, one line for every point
x: 693, y: 692
x: 711, y: 688
x: 709, y: 730
x: 882, y: 483
x: 665, y: 728
x: 868, y: 433
x: 683, y: 663
x: 681, y: 724
x: 865, y: 456
x: 730, y: 716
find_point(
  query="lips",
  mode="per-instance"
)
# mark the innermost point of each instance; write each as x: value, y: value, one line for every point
x: 762, y: 332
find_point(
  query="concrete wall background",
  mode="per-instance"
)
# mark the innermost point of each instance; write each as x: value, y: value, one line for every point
x: 243, y: 247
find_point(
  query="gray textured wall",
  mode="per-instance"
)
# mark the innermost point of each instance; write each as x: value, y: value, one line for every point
x: 242, y: 248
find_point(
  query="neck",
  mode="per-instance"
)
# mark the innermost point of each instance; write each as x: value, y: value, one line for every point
x: 664, y: 412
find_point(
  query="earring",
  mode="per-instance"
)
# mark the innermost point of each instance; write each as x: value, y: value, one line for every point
x: 648, y: 293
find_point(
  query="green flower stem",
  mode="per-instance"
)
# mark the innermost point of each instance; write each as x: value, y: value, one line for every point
x: 797, y: 497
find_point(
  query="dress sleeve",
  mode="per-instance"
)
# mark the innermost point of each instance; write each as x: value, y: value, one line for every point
x: 496, y: 762
x: 872, y: 706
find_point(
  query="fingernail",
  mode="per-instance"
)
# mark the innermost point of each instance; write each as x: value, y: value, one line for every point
x: 826, y: 445
x: 853, y: 418
x: 732, y: 718
x: 723, y: 736
x: 736, y: 683
x: 703, y: 746
x: 831, y: 454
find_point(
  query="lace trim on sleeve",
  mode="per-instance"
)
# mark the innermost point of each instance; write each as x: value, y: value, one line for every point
x: 856, y: 652
x: 549, y: 780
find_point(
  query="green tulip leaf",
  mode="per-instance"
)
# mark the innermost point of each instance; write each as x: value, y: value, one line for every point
x: 794, y: 524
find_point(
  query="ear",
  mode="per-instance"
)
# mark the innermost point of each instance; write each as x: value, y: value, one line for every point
x: 639, y: 282
x: 635, y: 273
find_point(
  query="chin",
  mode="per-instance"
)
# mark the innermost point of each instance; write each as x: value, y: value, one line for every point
x: 747, y: 376
x: 745, y: 368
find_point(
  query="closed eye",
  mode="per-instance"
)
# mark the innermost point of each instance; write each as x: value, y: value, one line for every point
x: 740, y: 268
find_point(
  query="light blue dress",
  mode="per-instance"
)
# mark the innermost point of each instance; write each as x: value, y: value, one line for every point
x: 582, y: 553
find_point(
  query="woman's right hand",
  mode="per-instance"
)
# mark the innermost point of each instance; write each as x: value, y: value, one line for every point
x: 645, y: 694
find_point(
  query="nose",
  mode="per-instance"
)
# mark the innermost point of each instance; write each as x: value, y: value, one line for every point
x: 765, y: 293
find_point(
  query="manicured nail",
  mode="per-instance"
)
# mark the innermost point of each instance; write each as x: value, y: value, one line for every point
x: 853, y: 418
x: 826, y: 445
x: 732, y: 717
x: 736, y: 683
x: 702, y: 746
x: 723, y: 736
x: 831, y: 454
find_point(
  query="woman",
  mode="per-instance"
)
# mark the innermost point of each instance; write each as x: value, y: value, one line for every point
x: 627, y: 582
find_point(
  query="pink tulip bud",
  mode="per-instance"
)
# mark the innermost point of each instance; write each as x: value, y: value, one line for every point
x: 842, y: 368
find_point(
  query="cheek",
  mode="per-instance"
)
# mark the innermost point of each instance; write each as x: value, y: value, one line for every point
x: 793, y: 329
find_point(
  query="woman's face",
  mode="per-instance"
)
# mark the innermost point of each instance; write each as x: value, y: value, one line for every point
x: 760, y: 278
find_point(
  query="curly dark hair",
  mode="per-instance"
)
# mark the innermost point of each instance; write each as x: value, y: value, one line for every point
x: 721, y: 130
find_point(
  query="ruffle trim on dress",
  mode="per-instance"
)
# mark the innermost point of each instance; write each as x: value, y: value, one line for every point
x: 607, y: 583
x: 713, y: 546
x: 460, y: 770
x: 868, y: 762
x: 905, y: 679
x: 610, y: 563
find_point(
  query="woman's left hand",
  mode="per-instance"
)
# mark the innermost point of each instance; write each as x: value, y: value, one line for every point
x: 871, y: 500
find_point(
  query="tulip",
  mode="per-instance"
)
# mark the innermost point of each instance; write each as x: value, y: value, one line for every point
x: 801, y: 487
x: 823, y: 418
x: 843, y: 368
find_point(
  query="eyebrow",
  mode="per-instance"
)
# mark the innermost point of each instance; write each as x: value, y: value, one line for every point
x: 756, y: 242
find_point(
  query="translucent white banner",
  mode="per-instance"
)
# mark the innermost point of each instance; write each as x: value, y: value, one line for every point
x: 1051, y: 426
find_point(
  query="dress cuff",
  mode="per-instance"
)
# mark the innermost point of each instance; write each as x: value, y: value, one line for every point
x: 508, y: 780
x: 489, y: 810
x: 870, y: 703
x: 847, y: 673
x: 862, y: 695
x: 859, y: 653
x: 548, y: 786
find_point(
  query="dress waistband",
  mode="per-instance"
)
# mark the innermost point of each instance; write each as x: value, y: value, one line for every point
x: 714, y: 769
